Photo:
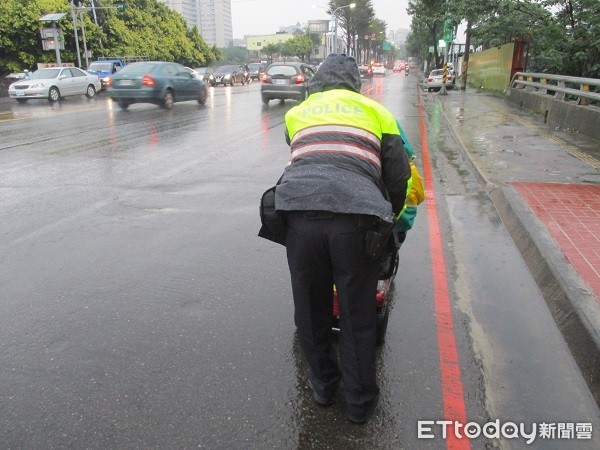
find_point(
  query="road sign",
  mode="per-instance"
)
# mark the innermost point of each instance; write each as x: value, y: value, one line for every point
x: 448, y: 26
x: 48, y: 38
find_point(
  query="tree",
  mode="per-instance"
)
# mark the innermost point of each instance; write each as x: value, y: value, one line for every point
x: 352, y: 21
x: 564, y: 34
x: 287, y: 49
x: 145, y: 28
x: 313, y: 38
x: 377, y: 28
x: 234, y: 55
x: 271, y: 50
x: 471, y: 12
x: 300, y: 45
x: 579, y: 21
x: 417, y: 42
x: 429, y: 16
x: 20, y: 38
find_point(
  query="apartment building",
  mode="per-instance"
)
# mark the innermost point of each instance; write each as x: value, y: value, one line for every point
x: 212, y: 17
x: 214, y: 22
x: 187, y: 8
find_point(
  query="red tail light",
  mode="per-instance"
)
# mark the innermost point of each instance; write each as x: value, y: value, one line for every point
x: 379, y: 299
x: 147, y: 80
x: 430, y: 79
x: 265, y: 79
x: 336, y: 304
x: 109, y: 81
x: 298, y: 79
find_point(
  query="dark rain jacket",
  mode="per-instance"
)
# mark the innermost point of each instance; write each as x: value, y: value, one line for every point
x: 345, y: 149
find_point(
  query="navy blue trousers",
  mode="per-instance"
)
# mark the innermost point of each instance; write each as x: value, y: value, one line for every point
x: 323, y: 250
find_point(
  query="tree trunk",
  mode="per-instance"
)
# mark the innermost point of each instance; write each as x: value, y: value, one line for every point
x: 465, y: 68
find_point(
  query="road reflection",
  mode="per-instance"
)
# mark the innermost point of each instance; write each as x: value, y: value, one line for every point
x: 11, y: 110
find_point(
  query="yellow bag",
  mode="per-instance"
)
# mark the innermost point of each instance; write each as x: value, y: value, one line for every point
x: 416, y: 195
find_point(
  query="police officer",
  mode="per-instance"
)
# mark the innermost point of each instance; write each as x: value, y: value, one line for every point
x: 346, y: 152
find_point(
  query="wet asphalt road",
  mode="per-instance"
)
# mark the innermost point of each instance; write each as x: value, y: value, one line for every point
x: 140, y: 310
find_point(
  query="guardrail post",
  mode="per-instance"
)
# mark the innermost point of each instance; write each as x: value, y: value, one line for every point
x: 583, y: 101
x: 543, y: 90
x: 529, y: 88
x: 560, y: 95
x: 520, y: 78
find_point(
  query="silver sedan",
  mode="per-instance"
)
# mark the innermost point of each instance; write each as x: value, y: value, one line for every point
x: 55, y: 83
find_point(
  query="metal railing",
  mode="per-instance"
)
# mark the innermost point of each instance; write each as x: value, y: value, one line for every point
x: 559, y: 85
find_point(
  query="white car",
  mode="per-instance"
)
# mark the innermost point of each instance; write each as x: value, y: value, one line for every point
x: 55, y: 83
x: 435, y: 80
x: 378, y: 69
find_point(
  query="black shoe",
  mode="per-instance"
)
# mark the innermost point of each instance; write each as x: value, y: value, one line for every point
x: 359, y: 414
x: 321, y: 400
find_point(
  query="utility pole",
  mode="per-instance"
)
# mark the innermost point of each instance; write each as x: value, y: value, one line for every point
x: 74, y: 17
x: 335, y: 27
x: 77, y: 10
x: 85, y: 51
x: 56, y: 43
x: 94, y: 11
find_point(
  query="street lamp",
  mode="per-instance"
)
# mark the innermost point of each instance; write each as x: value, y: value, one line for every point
x: 335, y: 27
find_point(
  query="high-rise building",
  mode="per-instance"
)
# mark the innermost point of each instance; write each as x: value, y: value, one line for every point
x: 212, y: 17
x: 187, y: 8
x: 214, y: 21
x: 398, y: 37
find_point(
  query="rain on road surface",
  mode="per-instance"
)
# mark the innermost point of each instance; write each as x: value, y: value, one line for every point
x: 140, y: 310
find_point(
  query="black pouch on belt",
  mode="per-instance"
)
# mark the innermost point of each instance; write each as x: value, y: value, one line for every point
x: 379, y: 242
x: 273, y: 222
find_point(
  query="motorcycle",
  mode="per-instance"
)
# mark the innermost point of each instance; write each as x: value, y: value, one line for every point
x: 247, y: 77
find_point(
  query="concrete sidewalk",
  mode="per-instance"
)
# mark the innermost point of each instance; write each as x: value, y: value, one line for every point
x: 545, y: 185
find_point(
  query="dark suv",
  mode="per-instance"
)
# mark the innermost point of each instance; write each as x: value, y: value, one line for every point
x: 257, y: 70
x: 286, y: 80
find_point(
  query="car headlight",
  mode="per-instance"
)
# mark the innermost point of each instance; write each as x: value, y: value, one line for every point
x: 227, y: 76
x: 104, y: 79
x: 37, y: 85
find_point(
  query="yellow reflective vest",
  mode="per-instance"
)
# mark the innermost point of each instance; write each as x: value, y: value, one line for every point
x: 346, y: 151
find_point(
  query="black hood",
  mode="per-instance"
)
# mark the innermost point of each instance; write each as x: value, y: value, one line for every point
x: 336, y: 72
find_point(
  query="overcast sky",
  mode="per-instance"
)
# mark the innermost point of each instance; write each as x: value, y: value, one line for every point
x: 266, y: 16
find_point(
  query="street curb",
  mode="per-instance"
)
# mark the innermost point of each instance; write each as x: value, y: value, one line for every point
x: 570, y: 301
